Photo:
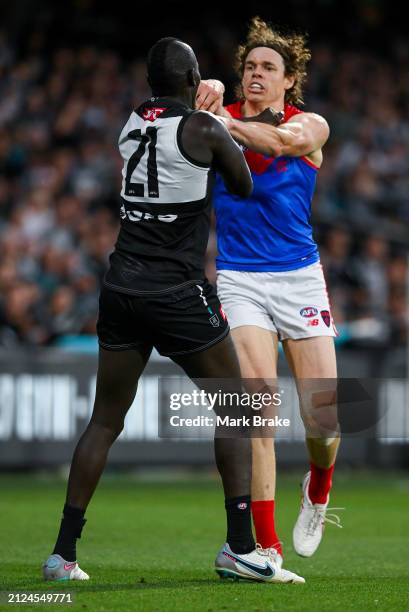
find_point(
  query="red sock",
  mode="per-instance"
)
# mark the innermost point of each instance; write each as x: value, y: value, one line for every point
x: 263, y: 519
x: 320, y: 484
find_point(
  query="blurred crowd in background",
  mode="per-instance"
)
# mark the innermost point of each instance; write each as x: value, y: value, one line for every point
x: 60, y: 172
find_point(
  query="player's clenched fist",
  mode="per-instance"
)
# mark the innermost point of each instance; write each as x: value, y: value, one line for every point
x: 210, y: 96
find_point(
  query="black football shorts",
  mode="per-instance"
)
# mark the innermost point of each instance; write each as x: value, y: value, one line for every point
x: 178, y: 322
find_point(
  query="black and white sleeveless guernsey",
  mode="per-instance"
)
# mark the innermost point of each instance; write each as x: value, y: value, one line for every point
x: 165, y: 204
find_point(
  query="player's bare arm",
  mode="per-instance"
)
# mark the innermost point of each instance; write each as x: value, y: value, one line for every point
x: 208, y: 141
x: 303, y: 134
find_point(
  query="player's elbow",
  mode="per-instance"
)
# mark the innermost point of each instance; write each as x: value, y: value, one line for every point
x: 245, y: 187
x: 241, y: 188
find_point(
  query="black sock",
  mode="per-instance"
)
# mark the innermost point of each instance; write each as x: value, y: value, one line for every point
x: 71, y: 527
x: 239, y: 533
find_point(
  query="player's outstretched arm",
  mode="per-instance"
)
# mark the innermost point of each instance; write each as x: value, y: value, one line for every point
x: 207, y: 140
x: 301, y: 135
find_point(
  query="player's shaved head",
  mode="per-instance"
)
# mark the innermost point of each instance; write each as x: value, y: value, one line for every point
x: 172, y: 67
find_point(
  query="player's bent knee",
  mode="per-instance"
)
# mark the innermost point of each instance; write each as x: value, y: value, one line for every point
x: 111, y: 429
x: 320, y: 421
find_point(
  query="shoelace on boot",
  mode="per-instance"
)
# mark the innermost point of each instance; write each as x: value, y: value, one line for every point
x: 321, y: 515
x: 270, y: 552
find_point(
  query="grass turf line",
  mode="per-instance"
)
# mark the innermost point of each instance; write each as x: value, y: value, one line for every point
x: 151, y: 546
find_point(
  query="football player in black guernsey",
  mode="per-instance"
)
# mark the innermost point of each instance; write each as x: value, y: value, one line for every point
x: 155, y: 294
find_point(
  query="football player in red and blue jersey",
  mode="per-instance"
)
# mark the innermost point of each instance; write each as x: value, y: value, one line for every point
x: 269, y: 277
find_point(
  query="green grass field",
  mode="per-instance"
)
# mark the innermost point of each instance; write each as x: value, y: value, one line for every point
x: 151, y: 545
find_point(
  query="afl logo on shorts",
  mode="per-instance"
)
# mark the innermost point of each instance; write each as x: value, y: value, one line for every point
x: 309, y: 311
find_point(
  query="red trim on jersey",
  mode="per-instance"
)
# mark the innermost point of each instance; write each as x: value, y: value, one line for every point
x: 309, y: 162
x: 235, y: 111
x: 290, y: 111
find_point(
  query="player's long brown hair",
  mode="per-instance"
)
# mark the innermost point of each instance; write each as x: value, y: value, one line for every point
x: 292, y: 48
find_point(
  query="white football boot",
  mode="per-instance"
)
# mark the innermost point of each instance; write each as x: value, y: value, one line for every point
x: 309, y: 528
x: 262, y: 564
x: 57, y: 568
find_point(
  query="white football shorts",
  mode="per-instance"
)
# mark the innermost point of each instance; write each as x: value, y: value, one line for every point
x: 292, y: 304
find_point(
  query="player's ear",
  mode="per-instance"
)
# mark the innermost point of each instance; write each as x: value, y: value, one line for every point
x: 289, y: 81
x: 193, y: 78
x: 190, y: 78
